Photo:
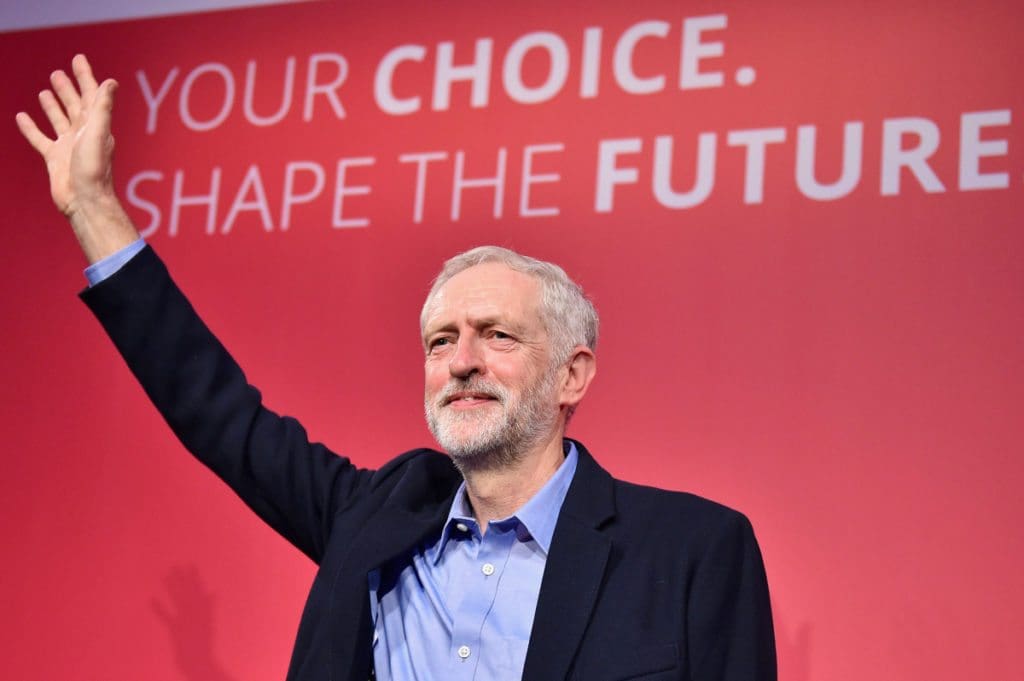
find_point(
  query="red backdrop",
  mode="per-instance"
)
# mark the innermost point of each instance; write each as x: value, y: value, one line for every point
x: 800, y: 223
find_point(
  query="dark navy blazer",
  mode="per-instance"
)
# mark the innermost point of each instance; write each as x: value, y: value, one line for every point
x: 640, y: 583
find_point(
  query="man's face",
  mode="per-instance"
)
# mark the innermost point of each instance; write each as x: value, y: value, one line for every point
x: 490, y: 389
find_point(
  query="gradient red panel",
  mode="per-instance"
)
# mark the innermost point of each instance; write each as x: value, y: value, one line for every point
x: 822, y: 333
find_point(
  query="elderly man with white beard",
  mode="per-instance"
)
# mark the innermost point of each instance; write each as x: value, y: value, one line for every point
x: 524, y: 560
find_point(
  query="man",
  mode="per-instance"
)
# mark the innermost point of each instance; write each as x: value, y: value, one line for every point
x: 524, y: 560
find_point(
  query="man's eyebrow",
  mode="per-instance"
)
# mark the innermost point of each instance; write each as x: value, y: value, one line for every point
x: 482, y: 322
x: 429, y: 331
x: 485, y: 321
x: 518, y: 329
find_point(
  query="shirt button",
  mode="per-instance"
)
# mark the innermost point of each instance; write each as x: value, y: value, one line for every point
x: 463, y: 652
x: 462, y: 527
x: 487, y: 569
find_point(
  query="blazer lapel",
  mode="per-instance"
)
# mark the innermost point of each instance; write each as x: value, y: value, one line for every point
x: 573, y: 573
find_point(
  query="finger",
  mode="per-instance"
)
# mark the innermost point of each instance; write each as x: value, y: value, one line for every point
x: 105, y: 94
x: 69, y: 96
x: 32, y: 133
x: 103, y: 105
x: 51, y: 107
x: 83, y: 74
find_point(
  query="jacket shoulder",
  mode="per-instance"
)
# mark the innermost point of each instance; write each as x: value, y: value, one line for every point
x: 678, y: 512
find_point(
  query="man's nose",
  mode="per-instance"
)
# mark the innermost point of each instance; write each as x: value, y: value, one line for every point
x: 467, y: 358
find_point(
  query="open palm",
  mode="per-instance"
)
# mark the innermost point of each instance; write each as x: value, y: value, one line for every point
x: 78, y: 159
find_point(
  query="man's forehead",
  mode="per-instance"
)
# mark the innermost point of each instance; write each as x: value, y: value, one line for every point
x: 487, y: 289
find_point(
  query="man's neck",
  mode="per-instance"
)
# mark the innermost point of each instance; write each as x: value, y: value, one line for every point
x: 498, y: 493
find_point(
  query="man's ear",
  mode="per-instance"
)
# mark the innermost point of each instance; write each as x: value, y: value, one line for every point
x: 580, y: 371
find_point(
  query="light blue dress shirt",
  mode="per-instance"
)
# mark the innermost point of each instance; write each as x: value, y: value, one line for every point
x: 459, y: 608
x: 101, y: 269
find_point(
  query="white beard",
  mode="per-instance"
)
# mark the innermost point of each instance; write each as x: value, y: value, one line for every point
x: 496, y: 435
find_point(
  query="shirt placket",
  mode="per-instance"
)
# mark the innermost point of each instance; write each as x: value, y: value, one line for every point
x: 480, y: 588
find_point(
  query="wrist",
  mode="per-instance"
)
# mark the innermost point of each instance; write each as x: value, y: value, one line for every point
x: 101, y: 226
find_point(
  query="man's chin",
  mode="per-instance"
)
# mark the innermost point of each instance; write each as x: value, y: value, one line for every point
x: 468, y: 445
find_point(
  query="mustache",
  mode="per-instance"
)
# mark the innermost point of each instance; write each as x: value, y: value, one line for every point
x: 472, y: 385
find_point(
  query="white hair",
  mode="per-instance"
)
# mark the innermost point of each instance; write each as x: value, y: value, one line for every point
x: 567, y: 314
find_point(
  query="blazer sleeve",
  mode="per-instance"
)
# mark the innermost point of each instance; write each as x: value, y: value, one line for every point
x: 729, y: 618
x: 267, y: 459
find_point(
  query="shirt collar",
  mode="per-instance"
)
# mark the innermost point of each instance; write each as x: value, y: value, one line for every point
x: 538, y: 515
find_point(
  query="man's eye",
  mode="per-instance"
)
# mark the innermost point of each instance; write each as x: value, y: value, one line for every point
x: 438, y: 342
x: 501, y: 335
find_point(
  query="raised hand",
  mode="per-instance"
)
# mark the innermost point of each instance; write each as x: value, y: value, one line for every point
x: 79, y: 158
